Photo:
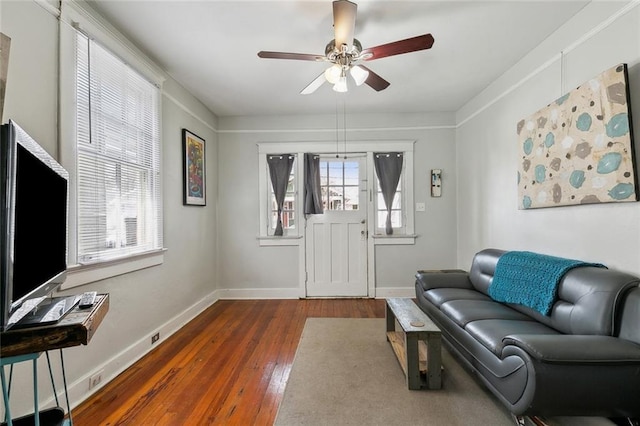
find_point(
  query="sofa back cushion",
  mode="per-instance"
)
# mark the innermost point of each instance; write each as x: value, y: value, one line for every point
x: 589, y: 298
x: 483, y: 267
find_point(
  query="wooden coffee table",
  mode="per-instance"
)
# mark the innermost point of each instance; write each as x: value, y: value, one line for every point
x: 416, y: 343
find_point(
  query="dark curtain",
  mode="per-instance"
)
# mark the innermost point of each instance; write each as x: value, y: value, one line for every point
x: 388, y: 168
x: 279, y: 169
x: 312, y: 191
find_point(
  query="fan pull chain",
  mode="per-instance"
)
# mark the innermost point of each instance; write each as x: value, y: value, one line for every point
x: 337, y: 145
x: 344, y: 112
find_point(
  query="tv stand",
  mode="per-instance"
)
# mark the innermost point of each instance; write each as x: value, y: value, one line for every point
x: 27, y: 344
x: 49, y: 311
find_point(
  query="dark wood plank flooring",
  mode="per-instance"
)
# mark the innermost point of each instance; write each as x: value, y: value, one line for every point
x: 228, y: 366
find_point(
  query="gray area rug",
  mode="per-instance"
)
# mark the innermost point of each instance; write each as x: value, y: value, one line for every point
x: 345, y: 373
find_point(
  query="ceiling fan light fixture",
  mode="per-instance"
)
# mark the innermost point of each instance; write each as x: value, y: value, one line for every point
x: 341, y: 85
x: 359, y: 74
x: 333, y: 73
x: 344, y: 51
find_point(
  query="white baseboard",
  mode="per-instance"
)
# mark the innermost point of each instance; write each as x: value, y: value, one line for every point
x: 385, y: 292
x: 259, y: 293
x: 294, y: 293
x: 120, y: 362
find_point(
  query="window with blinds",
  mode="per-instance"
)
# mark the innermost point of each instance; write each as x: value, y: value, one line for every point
x: 119, y: 206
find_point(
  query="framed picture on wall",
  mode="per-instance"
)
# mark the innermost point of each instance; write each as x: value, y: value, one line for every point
x: 194, y: 163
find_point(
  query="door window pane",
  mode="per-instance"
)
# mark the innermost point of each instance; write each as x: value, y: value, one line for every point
x: 339, y: 181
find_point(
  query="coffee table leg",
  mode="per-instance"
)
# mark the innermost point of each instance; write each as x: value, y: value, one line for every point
x: 434, y: 362
x: 413, y: 367
x: 391, y: 320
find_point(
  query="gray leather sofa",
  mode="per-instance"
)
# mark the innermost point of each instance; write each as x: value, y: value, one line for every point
x: 581, y: 359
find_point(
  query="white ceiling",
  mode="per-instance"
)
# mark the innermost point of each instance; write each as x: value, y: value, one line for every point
x: 210, y: 47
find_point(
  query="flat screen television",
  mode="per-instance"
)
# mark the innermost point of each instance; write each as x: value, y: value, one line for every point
x: 34, y: 216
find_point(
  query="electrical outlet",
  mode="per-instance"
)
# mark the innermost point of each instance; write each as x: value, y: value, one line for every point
x: 96, y: 379
x: 155, y: 338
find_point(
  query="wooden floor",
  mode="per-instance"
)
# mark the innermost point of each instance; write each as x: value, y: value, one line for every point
x: 229, y: 366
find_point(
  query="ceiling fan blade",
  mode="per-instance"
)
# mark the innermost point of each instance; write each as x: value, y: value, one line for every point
x: 399, y: 47
x: 374, y: 81
x: 344, y: 22
x: 314, y: 85
x: 288, y: 55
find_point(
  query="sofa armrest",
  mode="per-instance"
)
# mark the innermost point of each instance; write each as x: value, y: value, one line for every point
x: 568, y: 349
x: 438, y: 279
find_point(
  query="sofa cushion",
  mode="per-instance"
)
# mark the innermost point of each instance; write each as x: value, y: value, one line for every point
x: 588, y: 301
x: 436, y: 279
x: 482, y: 268
x: 491, y: 332
x: 438, y: 296
x: 465, y: 311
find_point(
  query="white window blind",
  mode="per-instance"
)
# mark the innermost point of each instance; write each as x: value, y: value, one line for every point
x: 119, y: 206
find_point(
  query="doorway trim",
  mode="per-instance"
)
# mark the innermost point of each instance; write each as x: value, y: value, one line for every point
x: 328, y: 147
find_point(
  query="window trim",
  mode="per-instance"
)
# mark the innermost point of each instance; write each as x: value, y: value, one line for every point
x: 269, y: 230
x: 77, y: 16
x: 380, y: 231
x: 290, y: 235
x: 367, y: 147
x: 82, y: 16
x: 408, y: 236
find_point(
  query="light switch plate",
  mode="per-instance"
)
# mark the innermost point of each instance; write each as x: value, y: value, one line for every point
x: 420, y: 207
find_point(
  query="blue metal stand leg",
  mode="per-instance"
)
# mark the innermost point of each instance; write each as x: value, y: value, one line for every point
x: 7, y: 389
x: 36, y: 408
x: 5, y: 396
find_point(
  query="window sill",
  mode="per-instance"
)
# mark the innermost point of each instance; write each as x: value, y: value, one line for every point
x: 279, y: 241
x: 381, y: 240
x: 78, y: 275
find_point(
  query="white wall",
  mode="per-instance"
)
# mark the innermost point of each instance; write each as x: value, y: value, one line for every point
x: 160, y: 298
x: 245, y: 266
x: 599, y: 37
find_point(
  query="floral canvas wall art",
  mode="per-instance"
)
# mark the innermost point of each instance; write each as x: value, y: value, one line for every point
x: 579, y: 149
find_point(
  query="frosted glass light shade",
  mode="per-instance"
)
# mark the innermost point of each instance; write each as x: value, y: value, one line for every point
x: 341, y: 85
x: 359, y: 74
x: 332, y: 74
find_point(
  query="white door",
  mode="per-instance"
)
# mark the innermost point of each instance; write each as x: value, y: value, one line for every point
x: 336, y: 241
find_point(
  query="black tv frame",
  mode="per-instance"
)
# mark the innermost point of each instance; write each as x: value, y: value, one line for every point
x: 13, y: 139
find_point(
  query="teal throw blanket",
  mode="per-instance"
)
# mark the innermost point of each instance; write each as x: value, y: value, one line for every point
x: 531, y: 279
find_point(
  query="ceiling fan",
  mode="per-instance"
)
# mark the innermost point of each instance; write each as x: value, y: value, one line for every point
x: 345, y: 53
